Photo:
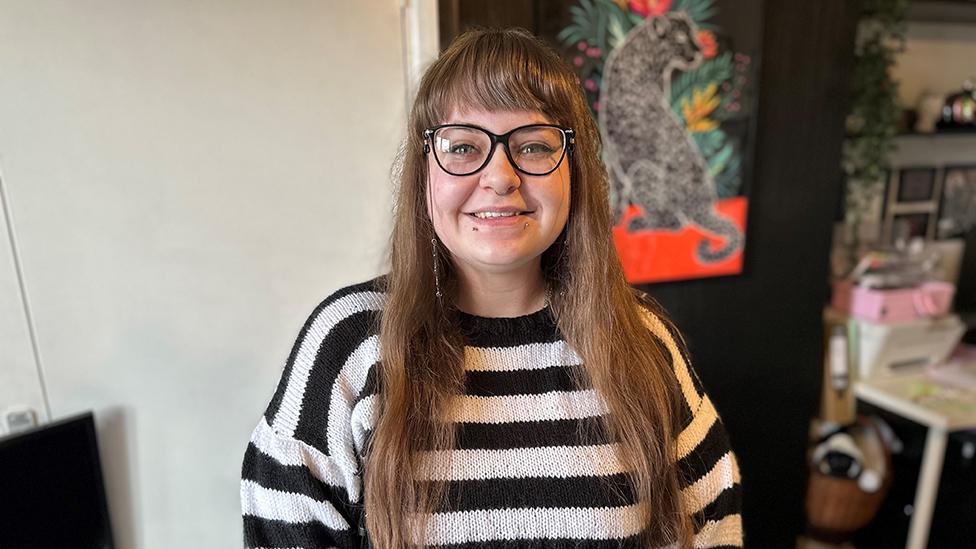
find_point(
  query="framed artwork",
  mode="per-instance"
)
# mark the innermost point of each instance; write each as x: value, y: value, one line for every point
x: 957, y: 214
x: 674, y: 95
x: 911, y: 203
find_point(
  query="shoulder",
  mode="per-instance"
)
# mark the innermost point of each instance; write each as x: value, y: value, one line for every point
x: 335, y: 349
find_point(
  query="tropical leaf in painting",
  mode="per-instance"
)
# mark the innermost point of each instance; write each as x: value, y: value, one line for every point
x: 696, y: 111
x: 728, y: 183
x: 716, y: 70
x: 700, y: 11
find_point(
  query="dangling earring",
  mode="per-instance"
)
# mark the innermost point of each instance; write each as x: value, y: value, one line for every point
x: 437, y: 274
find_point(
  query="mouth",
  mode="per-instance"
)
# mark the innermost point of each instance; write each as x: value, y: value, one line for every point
x: 492, y: 214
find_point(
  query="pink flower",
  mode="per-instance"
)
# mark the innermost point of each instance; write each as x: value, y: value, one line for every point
x: 650, y: 8
x: 596, y: 105
x: 578, y: 61
x: 708, y: 44
x: 581, y: 45
x: 593, y: 52
x: 590, y: 84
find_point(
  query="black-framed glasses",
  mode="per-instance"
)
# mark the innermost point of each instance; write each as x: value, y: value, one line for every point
x: 463, y: 149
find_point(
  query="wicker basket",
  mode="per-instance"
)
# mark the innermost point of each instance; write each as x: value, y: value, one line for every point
x: 837, y: 506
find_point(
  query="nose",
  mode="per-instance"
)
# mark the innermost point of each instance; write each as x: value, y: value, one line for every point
x: 500, y: 175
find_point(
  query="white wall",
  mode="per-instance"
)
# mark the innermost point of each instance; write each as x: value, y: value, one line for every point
x: 186, y: 180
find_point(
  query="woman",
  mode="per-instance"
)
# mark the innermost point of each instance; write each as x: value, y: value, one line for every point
x: 503, y: 383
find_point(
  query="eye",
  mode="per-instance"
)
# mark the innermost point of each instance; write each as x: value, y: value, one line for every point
x: 462, y: 148
x: 537, y: 148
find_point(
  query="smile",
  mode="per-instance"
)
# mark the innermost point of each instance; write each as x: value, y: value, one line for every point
x: 491, y: 215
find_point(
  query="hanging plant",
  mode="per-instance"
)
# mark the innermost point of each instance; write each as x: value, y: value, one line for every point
x: 873, y: 119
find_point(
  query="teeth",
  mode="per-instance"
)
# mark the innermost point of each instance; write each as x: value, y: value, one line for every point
x: 487, y: 215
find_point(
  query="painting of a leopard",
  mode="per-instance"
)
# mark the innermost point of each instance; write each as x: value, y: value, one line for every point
x: 652, y: 159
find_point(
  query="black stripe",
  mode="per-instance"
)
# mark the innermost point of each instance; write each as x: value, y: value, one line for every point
x: 260, y: 532
x: 549, y: 493
x: 703, y: 458
x: 522, y: 382
x: 332, y: 354
x: 528, y: 434
x: 295, y: 479
x: 275, y: 404
x: 728, y: 502
x: 484, y: 332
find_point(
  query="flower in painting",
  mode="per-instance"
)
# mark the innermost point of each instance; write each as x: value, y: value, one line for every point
x: 696, y: 111
x: 707, y: 43
x: 650, y: 8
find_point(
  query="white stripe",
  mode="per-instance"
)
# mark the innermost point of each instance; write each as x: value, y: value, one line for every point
x: 288, y: 451
x: 259, y: 501
x: 286, y: 419
x: 695, y: 432
x: 680, y: 368
x: 542, y: 462
x: 534, y: 356
x: 727, y: 531
x: 513, y: 408
x: 722, y: 477
x: 346, y: 388
x: 363, y: 419
x: 511, y: 524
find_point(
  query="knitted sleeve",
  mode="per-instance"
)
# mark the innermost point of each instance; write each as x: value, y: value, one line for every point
x: 301, y: 477
x: 711, y: 486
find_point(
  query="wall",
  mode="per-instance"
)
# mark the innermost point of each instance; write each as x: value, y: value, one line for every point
x: 937, y: 59
x: 186, y: 180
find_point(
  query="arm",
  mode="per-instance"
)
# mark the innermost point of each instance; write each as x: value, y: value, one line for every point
x: 711, y: 486
x: 301, y: 477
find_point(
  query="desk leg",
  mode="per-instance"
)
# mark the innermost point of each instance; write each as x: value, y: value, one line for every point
x: 928, y: 488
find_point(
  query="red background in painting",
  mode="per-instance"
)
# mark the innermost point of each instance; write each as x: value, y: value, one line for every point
x: 656, y: 256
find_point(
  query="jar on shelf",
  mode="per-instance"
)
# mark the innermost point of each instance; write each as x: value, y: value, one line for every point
x: 959, y: 110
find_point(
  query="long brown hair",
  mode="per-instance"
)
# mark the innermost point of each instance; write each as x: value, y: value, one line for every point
x: 597, y: 312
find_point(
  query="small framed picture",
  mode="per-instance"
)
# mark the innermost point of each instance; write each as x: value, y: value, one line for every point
x: 908, y: 226
x: 916, y: 185
x: 957, y: 211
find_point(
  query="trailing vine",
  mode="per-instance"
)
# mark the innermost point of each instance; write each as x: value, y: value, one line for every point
x: 873, y: 119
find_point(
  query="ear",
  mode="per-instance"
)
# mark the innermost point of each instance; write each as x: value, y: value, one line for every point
x: 661, y: 25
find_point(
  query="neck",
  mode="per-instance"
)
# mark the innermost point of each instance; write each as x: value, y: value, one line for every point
x: 500, y: 295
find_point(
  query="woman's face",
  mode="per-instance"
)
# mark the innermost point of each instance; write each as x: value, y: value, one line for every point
x: 460, y: 205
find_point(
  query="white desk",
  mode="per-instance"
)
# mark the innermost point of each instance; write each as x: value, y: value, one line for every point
x: 942, y: 410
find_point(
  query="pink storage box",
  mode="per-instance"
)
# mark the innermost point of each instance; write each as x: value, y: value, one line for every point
x: 930, y: 299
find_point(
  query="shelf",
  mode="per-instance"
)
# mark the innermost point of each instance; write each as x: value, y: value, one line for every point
x: 960, y: 11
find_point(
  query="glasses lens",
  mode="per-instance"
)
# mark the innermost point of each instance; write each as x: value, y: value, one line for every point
x: 537, y: 149
x: 460, y: 150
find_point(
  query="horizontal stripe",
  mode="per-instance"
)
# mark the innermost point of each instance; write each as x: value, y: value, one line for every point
x: 727, y: 502
x: 296, y: 479
x: 515, y: 382
x: 287, y: 451
x: 259, y: 532
x: 505, y: 493
x: 507, y: 409
x: 522, y: 357
x: 562, y: 461
x: 632, y: 542
x: 531, y: 434
x: 724, y: 532
x: 699, y: 462
x: 524, y: 524
x: 704, y: 490
x: 695, y: 432
x: 259, y: 501
x: 286, y: 419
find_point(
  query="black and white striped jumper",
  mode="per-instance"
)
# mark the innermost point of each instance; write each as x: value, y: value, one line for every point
x: 524, y: 473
